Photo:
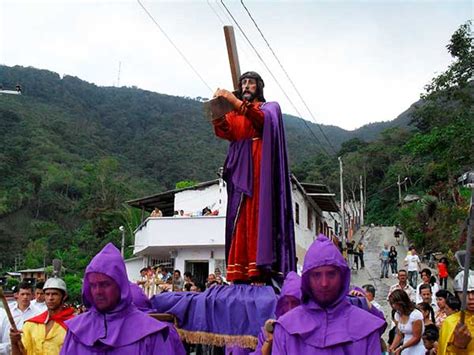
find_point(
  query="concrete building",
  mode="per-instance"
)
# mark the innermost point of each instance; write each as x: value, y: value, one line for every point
x: 195, y: 242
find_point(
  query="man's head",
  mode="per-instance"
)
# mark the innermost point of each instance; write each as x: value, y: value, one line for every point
x: 164, y: 272
x: 24, y: 295
x: 104, y: 291
x: 55, y: 293
x: 39, y: 293
x: 211, y: 278
x: 369, y: 292
x: 251, y: 87
x: 385, y: 245
x: 143, y: 272
x: 106, y: 285
x: 425, y: 293
x: 177, y: 274
x: 402, y: 276
x: 217, y: 272
x: 326, y: 276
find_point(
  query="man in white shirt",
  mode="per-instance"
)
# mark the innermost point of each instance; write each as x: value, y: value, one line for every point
x: 370, y: 295
x: 412, y: 261
x: 23, y: 309
x: 403, y: 285
x: 427, y: 296
x: 39, y: 302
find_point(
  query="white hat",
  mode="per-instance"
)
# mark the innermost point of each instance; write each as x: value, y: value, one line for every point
x: 55, y: 282
x: 459, y: 281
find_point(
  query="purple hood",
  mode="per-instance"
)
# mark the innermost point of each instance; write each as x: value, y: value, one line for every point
x: 291, y: 288
x: 336, y: 324
x: 323, y: 252
x: 125, y: 324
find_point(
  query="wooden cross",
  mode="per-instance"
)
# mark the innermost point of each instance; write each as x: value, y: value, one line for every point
x: 218, y: 107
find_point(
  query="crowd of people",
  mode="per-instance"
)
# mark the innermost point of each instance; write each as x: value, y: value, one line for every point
x: 317, y: 312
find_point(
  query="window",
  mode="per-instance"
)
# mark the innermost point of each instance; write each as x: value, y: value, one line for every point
x: 310, y: 218
x: 297, y: 213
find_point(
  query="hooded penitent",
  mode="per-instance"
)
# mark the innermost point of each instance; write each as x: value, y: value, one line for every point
x: 335, y: 327
x: 290, y: 295
x: 124, y: 329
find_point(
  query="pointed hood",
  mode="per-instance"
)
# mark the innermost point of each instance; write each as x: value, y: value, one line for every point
x: 123, y: 325
x: 334, y: 324
x: 291, y: 288
x: 323, y: 252
x: 110, y: 262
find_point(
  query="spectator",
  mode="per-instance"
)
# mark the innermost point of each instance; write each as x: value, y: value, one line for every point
x: 176, y: 214
x: 370, y: 295
x: 23, y: 309
x: 360, y: 250
x: 211, y: 281
x: 443, y: 272
x: 384, y: 261
x: 38, y: 302
x: 430, y: 339
x: 178, y: 282
x: 397, y: 233
x: 392, y: 259
x: 427, y: 279
x: 428, y: 313
x: 218, y: 272
x: 426, y: 296
x: 453, y: 305
x: 441, y: 315
x: 410, y: 325
x: 412, y: 261
x: 156, y: 213
x: 403, y: 285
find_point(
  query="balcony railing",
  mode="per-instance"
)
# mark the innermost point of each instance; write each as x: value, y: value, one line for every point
x: 179, y: 232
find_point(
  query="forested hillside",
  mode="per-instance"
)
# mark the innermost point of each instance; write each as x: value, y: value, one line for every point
x: 429, y: 156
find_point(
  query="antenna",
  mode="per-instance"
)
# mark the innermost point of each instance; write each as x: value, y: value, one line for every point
x: 118, y: 75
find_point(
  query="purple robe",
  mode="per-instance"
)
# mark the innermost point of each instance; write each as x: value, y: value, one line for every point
x: 125, y: 329
x: 276, y: 241
x: 339, y: 328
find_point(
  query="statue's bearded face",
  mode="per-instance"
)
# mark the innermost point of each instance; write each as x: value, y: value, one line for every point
x: 249, y: 89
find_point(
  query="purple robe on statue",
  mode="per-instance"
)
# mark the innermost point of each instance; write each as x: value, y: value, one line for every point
x: 139, y: 298
x: 276, y: 240
x: 337, y: 329
x: 125, y: 329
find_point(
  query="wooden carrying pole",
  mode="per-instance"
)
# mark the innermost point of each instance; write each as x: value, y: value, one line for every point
x: 233, y: 55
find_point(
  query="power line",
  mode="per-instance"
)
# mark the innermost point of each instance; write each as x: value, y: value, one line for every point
x: 175, y: 46
x: 272, y: 75
x: 287, y: 75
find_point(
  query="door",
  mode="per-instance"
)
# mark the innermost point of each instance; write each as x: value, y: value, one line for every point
x: 199, y: 269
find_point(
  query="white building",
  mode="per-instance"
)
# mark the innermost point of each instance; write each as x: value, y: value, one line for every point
x: 196, y: 243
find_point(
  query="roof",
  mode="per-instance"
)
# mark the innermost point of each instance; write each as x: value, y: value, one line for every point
x: 41, y: 269
x: 321, y: 195
x: 165, y: 200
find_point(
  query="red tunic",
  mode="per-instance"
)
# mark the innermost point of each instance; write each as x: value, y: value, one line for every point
x: 245, y: 123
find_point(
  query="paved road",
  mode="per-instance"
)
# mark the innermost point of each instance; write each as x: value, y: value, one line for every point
x: 374, y: 240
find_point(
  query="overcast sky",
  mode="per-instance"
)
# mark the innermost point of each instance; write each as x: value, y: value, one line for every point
x: 354, y: 62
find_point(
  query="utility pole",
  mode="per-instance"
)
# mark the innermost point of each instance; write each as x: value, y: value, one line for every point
x: 343, y: 226
x: 361, y: 201
x: 399, y: 191
x: 122, y: 229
